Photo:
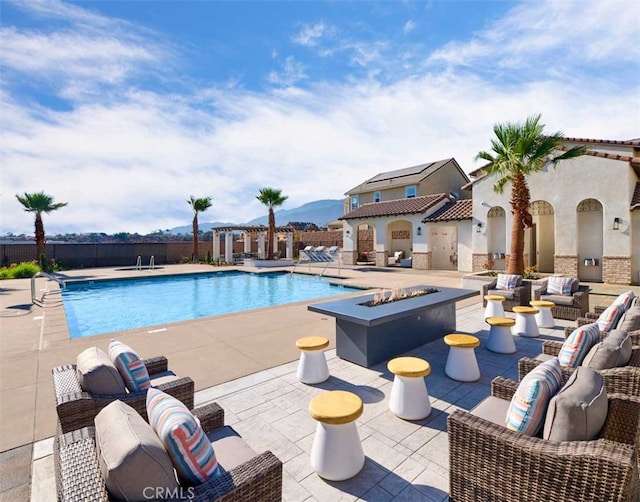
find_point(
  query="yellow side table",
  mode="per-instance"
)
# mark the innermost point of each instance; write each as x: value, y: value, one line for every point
x: 409, y: 397
x: 461, y: 361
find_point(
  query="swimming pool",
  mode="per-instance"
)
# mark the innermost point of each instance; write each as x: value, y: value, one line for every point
x: 98, y: 307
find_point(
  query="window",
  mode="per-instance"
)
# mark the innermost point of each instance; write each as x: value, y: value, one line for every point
x: 376, y: 196
x: 355, y: 202
x: 410, y: 192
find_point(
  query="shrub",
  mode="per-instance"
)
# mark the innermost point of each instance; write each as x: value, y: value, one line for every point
x: 20, y: 271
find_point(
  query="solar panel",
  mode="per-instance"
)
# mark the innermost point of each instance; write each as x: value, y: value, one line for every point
x: 407, y: 171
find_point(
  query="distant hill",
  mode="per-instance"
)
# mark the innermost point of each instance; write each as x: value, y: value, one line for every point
x: 319, y: 212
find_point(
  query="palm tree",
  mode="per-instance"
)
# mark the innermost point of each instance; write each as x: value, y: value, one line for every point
x: 198, y: 205
x: 517, y: 151
x: 271, y: 197
x: 38, y: 203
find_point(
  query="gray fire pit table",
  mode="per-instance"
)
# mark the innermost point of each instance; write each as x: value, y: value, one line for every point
x: 370, y: 335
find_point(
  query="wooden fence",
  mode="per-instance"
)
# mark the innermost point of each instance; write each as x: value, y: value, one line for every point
x: 88, y: 255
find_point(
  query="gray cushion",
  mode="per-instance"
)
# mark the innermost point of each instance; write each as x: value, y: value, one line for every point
x: 492, y: 409
x: 544, y: 357
x: 162, y: 378
x: 558, y: 299
x: 130, y: 454
x: 231, y: 450
x: 97, y: 374
x: 506, y: 293
x: 614, y: 350
x: 630, y: 320
x: 579, y: 409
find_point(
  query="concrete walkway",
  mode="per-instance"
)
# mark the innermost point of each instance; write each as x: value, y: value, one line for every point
x: 247, y: 362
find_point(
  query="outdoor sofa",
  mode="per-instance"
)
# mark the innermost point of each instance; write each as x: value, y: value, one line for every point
x: 79, y: 477
x: 488, y: 461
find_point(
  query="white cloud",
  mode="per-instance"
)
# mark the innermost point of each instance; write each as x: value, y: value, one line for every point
x: 128, y: 161
x: 310, y: 35
x: 409, y: 26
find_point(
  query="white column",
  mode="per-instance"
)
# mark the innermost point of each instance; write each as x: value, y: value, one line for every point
x: 289, y: 253
x: 216, y: 245
x: 275, y: 241
x: 228, y: 247
x: 247, y: 242
x: 261, y: 253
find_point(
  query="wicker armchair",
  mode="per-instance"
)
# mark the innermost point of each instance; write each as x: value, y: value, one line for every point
x: 521, y: 294
x: 578, y: 307
x: 487, y: 461
x: 620, y: 380
x: 78, y: 476
x: 77, y: 409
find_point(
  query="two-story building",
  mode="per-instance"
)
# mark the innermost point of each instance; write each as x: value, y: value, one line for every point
x: 397, y: 205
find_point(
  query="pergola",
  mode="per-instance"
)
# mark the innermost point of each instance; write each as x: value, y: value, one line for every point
x: 248, y: 232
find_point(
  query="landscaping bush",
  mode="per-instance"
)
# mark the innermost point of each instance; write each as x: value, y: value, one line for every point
x: 20, y: 271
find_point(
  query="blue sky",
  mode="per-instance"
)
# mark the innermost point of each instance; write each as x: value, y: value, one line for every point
x: 124, y: 109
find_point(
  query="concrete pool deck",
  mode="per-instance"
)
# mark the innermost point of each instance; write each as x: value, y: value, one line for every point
x: 229, y: 357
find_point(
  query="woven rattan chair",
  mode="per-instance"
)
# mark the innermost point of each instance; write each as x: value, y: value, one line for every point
x: 77, y: 408
x: 487, y: 461
x: 78, y: 476
x: 521, y: 294
x: 620, y: 380
x: 578, y: 308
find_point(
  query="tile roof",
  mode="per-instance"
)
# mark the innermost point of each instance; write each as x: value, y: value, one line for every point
x: 414, y: 205
x: 635, y: 200
x: 630, y: 142
x: 452, y: 211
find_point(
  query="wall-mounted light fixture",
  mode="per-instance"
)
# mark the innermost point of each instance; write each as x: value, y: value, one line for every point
x: 479, y: 228
x: 616, y: 223
x: 419, y: 231
x: 348, y: 231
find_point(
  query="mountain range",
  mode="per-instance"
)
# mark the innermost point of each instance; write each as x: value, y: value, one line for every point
x: 319, y: 212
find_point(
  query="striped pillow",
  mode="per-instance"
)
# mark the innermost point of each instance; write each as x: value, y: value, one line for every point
x: 578, y: 344
x: 557, y: 285
x: 609, y: 318
x: 130, y: 366
x: 624, y: 300
x: 508, y: 281
x: 188, y: 446
x: 529, y: 403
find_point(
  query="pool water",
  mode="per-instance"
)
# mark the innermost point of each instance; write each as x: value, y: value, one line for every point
x: 94, y: 308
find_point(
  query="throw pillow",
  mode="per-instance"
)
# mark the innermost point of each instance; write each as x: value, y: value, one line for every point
x: 614, y: 350
x: 529, y: 403
x: 130, y: 454
x: 609, y: 318
x: 557, y: 285
x: 625, y: 299
x: 130, y: 366
x: 183, y: 437
x: 630, y: 320
x: 508, y: 281
x: 578, y: 411
x: 97, y: 374
x: 578, y: 344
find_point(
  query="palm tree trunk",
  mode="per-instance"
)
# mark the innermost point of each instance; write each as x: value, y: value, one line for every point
x: 520, y: 199
x: 195, y: 237
x: 40, y: 239
x: 271, y: 233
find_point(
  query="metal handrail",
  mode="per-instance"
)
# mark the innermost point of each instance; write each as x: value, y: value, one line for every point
x: 60, y: 282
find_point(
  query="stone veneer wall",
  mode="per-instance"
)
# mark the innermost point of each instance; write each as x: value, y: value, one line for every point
x: 421, y: 261
x: 349, y: 257
x: 382, y: 258
x: 566, y: 265
x: 478, y: 261
x: 616, y: 269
